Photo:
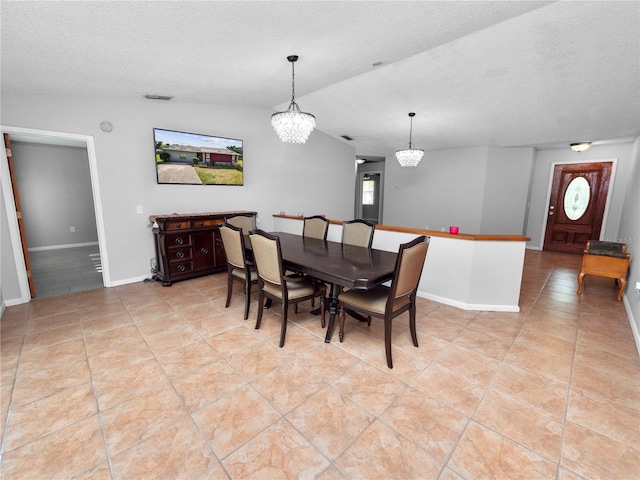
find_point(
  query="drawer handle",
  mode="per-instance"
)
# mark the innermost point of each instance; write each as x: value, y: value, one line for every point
x: 180, y: 254
x: 179, y: 241
x: 204, y: 251
x: 201, y: 224
x: 181, y: 268
x: 178, y: 225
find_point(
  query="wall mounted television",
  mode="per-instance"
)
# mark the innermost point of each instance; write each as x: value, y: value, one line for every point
x: 195, y: 159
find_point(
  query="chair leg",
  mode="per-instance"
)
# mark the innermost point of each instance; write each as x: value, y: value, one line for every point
x: 623, y: 284
x: 412, y: 325
x: 247, y: 299
x: 341, y: 316
x: 229, y: 291
x: 283, y: 329
x: 323, y: 308
x: 260, y: 309
x: 580, y: 280
x: 387, y: 341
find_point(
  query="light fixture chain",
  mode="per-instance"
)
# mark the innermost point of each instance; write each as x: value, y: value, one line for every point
x: 293, y: 82
x: 410, y: 132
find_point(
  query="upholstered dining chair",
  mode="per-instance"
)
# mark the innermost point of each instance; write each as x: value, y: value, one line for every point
x: 315, y: 227
x: 387, y: 302
x: 357, y: 232
x: 245, y: 222
x: 238, y: 267
x: 273, y: 284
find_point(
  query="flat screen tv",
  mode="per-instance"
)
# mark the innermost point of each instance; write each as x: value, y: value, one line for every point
x: 195, y: 159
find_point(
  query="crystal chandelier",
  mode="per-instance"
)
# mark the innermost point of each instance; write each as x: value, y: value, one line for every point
x: 293, y: 126
x: 410, y: 157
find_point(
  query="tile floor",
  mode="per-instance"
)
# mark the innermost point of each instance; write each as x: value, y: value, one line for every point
x: 145, y: 381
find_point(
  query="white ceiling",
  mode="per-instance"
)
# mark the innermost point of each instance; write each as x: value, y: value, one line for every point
x: 505, y: 73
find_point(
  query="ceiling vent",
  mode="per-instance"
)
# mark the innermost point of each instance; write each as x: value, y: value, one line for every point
x: 346, y: 137
x: 157, y: 97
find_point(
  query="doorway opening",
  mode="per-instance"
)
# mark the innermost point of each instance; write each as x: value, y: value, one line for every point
x: 58, y: 263
x: 369, y: 189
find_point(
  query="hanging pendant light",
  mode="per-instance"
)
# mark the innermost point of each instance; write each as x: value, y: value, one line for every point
x: 293, y: 126
x: 410, y: 157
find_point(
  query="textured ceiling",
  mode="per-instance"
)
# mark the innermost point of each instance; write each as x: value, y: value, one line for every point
x: 506, y: 73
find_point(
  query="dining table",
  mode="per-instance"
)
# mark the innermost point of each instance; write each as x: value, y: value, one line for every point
x: 338, y: 265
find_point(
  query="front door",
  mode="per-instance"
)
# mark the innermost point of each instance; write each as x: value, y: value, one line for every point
x: 576, y: 205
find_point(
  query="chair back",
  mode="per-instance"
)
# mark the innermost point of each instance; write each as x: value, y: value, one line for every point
x: 233, y: 242
x: 315, y: 227
x: 267, y: 256
x: 408, y: 268
x: 357, y: 232
x: 245, y: 222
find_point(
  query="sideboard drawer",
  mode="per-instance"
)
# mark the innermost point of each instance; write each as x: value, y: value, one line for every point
x: 183, y: 240
x: 180, y: 225
x: 208, y: 222
x: 181, y: 267
x: 180, y: 254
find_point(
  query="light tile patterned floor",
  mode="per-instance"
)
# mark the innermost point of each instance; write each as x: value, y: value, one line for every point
x: 145, y: 381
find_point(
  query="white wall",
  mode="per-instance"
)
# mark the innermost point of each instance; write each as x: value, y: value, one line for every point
x: 505, y: 190
x: 481, y: 190
x: 54, y: 183
x: 317, y: 177
x: 445, y: 189
x: 543, y: 169
x: 629, y: 233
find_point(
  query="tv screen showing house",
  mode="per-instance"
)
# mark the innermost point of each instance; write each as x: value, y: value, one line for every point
x: 197, y: 159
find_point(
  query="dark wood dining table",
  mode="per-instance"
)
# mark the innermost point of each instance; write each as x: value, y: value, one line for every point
x: 340, y: 266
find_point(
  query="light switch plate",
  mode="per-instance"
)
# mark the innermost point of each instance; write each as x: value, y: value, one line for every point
x: 139, y: 210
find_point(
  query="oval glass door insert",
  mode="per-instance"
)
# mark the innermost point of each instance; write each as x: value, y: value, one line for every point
x: 576, y: 198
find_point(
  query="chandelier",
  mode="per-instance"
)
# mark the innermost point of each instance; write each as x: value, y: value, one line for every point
x: 410, y: 157
x: 293, y: 126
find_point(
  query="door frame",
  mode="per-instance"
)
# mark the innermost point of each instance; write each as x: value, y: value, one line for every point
x: 605, y: 216
x: 361, y: 176
x: 18, y: 253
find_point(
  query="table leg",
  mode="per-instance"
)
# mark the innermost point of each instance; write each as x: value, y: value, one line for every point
x: 333, y: 310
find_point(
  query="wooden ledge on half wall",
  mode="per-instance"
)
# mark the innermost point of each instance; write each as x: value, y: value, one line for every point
x: 431, y: 233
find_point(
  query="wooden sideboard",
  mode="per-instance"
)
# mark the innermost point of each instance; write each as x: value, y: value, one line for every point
x: 189, y: 245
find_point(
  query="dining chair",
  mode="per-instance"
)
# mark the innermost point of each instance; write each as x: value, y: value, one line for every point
x: 238, y: 267
x: 315, y: 227
x: 244, y: 222
x: 357, y: 232
x: 273, y: 284
x: 387, y: 302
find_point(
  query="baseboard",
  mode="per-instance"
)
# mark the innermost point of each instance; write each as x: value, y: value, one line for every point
x: 127, y: 281
x: 469, y: 306
x: 16, y: 301
x: 632, y: 322
x: 59, y: 247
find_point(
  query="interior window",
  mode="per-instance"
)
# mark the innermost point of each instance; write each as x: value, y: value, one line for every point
x: 368, y: 192
x: 576, y: 198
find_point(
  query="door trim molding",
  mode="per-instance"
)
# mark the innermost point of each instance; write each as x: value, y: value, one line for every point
x: 11, y: 214
x: 605, y: 216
